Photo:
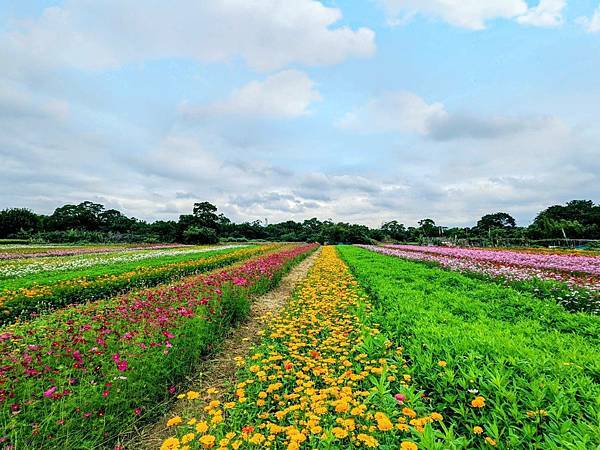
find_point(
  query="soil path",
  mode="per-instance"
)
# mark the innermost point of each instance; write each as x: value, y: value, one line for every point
x: 218, y: 370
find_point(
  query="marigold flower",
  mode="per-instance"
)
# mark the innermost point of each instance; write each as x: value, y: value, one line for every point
x: 174, y: 421
x: 490, y: 441
x: 408, y: 445
x: 207, y: 441
x: 171, y: 443
x: 477, y: 430
x: 478, y: 402
x: 339, y: 433
x: 442, y: 363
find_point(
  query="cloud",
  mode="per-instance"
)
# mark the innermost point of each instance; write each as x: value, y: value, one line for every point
x: 393, y: 111
x: 285, y: 94
x: 548, y: 13
x: 16, y: 101
x: 474, y: 14
x: 267, y: 34
x: 591, y: 24
x: 407, y: 112
x: 471, y: 14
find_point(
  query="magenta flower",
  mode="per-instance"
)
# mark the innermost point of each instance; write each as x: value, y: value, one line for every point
x: 48, y: 393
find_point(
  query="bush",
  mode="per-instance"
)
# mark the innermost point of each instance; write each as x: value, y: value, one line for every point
x: 200, y: 235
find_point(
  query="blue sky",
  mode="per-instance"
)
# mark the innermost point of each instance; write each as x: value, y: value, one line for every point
x: 356, y: 111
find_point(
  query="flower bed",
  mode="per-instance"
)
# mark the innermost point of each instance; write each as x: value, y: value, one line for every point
x: 23, y: 302
x: 543, y: 275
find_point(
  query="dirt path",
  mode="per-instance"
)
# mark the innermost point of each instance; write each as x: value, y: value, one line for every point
x: 219, y: 370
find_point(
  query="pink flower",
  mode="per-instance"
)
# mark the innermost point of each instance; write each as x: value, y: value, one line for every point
x: 122, y: 365
x: 105, y: 393
x: 49, y: 392
x: 400, y: 398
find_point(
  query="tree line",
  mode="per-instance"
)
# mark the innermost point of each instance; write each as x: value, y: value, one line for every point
x: 92, y: 222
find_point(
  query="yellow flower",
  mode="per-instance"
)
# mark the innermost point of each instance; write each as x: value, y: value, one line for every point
x: 207, y: 441
x: 407, y: 445
x: 174, y: 421
x: 257, y: 439
x: 171, y: 443
x: 201, y: 427
x: 490, y: 441
x: 193, y: 395
x: 477, y: 430
x: 442, y: 363
x: 437, y: 417
x: 383, y: 422
x: 369, y: 441
x: 187, y: 438
x: 478, y: 402
x: 409, y: 412
x: 339, y: 433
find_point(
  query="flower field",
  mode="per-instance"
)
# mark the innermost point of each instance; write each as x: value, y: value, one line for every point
x: 38, y: 251
x: 494, y: 361
x: 77, y: 377
x: 323, y: 377
x: 371, y: 350
x: 41, y: 291
x: 571, y: 279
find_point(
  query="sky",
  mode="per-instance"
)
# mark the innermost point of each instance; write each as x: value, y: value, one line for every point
x: 359, y: 111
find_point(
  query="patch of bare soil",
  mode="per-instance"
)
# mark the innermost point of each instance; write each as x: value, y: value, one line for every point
x: 218, y: 370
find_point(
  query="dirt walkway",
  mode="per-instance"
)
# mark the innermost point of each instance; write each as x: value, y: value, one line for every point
x: 219, y: 370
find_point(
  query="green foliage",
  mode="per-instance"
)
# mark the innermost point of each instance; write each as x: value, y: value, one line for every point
x: 200, y: 235
x: 520, y: 353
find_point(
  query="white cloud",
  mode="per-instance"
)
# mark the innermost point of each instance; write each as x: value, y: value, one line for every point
x: 407, y: 112
x: 548, y: 13
x: 285, y: 94
x: 393, y: 111
x: 592, y: 24
x: 267, y: 34
x: 474, y: 14
x: 471, y: 14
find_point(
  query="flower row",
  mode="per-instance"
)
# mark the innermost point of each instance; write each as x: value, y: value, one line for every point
x: 22, y: 251
x: 27, y: 301
x: 26, y: 267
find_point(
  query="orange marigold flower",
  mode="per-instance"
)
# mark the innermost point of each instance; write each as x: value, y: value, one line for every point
x: 407, y: 445
x: 478, y: 402
x: 174, y: 421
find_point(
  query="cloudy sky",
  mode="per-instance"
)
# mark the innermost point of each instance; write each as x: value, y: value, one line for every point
x: 361, y: 111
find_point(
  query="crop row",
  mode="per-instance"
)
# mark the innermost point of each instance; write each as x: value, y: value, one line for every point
x: 494, y: 361
x: 27, y: 267
x: 577, y: 291
x: 25, y: 251
x: 77, y: 377
x: 323, y: 377
x: 103, y: 282
x: 545, y: 261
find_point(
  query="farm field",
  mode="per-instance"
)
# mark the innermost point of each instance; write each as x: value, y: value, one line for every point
x: 570, y: 278
x: 79, y: 376
x: 372, y: 350
x: 377, y: 352
x: 33, y: 285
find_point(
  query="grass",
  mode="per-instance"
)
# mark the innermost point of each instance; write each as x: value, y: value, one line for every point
x: 536, y: 365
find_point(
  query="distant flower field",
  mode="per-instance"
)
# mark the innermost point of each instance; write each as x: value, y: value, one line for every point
x: 575, y: 278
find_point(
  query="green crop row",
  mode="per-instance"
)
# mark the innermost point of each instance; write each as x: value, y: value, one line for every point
x: 496, y: 362
x: 102, y: 282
